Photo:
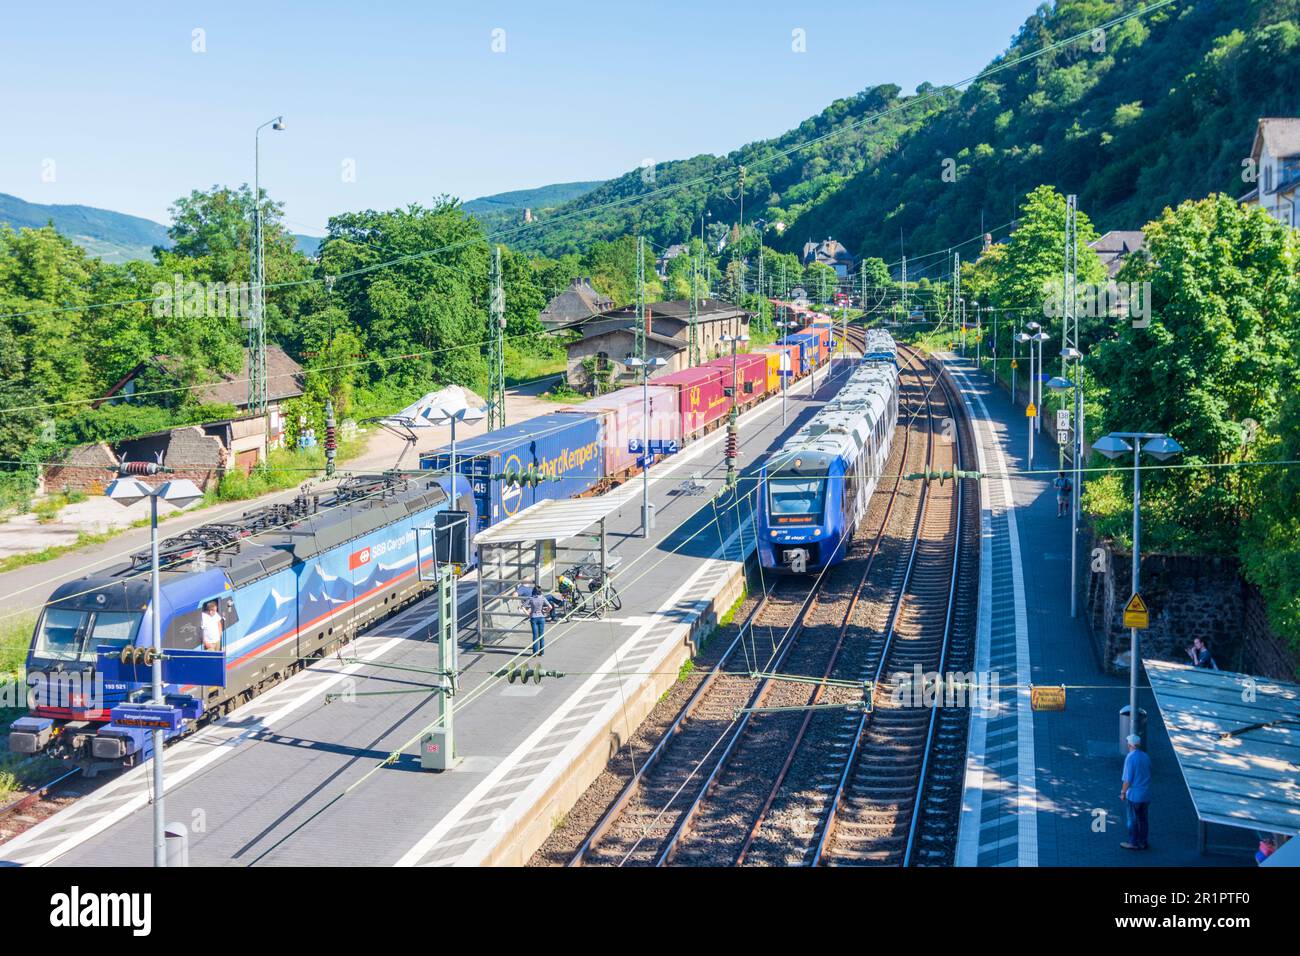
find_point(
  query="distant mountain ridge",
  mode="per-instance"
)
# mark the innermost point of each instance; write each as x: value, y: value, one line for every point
x: 111, y: 236
x: 538, y: 198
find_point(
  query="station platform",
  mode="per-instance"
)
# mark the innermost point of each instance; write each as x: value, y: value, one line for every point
x: 289, y: 779
x: 1042, y: 789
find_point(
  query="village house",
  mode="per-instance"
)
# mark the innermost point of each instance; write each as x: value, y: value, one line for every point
x: 1116, y: 246
x: 1275, y: 153
x: 574, y: 305
x: 829, y: 252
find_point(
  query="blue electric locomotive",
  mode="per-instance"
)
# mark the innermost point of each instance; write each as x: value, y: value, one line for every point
x: 815, y: 489
x: 291, y: 582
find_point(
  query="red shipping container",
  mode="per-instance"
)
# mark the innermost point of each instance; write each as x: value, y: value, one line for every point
x: 751, y: 376
x: 700, y: 399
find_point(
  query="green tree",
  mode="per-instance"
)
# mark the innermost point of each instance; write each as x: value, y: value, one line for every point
x: 1219, y: 350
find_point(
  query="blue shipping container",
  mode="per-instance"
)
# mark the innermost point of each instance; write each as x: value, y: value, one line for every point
x: 807, y: 344
x: 564, y: 447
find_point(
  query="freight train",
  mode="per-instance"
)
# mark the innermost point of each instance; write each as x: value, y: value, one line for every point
x: 291, y: 582
x: 815, y: 489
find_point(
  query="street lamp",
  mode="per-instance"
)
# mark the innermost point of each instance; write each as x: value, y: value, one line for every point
x: 257, y: 328
x: 180, y: 492
x: 647, y: 367
x: 1160, y: 447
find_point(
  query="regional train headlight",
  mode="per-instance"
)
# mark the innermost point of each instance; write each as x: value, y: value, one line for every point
x: 817, y: 532
x: 774, y: 532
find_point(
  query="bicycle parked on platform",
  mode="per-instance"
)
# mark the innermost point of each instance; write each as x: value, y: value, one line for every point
x: 585, y: 593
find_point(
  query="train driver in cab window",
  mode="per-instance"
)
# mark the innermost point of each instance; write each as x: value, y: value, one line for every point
x: 212, y: 626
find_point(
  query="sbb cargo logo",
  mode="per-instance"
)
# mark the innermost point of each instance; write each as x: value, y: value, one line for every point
x: 358, y: 558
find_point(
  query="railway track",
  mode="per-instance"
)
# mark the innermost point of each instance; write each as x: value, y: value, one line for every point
x: 897, y: 796
x: 705, y: 791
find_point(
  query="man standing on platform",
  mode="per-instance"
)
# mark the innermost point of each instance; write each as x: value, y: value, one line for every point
x: 537, y: 607
x: 1136, y: 790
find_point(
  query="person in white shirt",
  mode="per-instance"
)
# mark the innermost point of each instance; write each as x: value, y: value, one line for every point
x: 212, y: 627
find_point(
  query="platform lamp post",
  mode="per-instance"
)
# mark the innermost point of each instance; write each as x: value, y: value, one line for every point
x: 1060, y: 384
x: 452, y: 415
x: 1015, y: 337
x: 787, y: 371
x: 647, y: 368
x: 1160, y: 447
x: 127, y: 490
x: 1038, y: 336
x: 1027, y: 340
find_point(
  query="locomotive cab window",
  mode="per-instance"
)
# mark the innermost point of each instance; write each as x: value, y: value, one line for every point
x: 113, y: 628
x: 62, y: 633
x: 69, y: 635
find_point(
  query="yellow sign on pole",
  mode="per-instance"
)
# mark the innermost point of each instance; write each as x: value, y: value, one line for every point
x: 1031, y: 410
x: 1015, y: 364
x: 1047, y: 698
x: 1136, y: 614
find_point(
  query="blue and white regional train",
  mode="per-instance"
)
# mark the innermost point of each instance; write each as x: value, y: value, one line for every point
x: 290, y: 581
x: 816, y: 488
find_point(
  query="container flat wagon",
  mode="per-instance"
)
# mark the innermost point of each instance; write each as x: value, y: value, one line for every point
x: 750, y: 379
x: 701, y: 400
x: 623, y: 422
x: 565, y: 448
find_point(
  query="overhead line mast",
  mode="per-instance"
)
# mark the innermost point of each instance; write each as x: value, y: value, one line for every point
x: 496, y: 417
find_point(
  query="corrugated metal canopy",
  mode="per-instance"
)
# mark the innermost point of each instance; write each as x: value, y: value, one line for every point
x: 1251, y: 778
x: 556, y: 519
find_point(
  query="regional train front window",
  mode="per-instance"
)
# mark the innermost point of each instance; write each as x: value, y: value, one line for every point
x: 797, y: 496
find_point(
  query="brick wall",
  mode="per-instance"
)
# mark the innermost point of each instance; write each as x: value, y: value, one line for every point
x: 1188, y: 597
x: 85, y: 469
x: 188, y: 451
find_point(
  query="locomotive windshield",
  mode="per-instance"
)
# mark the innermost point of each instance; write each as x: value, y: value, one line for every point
x: 797, y: 496
x: 66, y: 634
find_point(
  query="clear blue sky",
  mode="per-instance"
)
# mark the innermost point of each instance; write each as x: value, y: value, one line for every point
x: 413, y: 93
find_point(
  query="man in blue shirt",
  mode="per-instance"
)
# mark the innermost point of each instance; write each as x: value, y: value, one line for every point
x: 1136, y: 791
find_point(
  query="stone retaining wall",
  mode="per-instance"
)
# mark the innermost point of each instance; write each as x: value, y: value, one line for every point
x: 1188, y: 597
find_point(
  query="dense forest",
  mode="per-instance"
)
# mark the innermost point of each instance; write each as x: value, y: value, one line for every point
x: 1132, y: 119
